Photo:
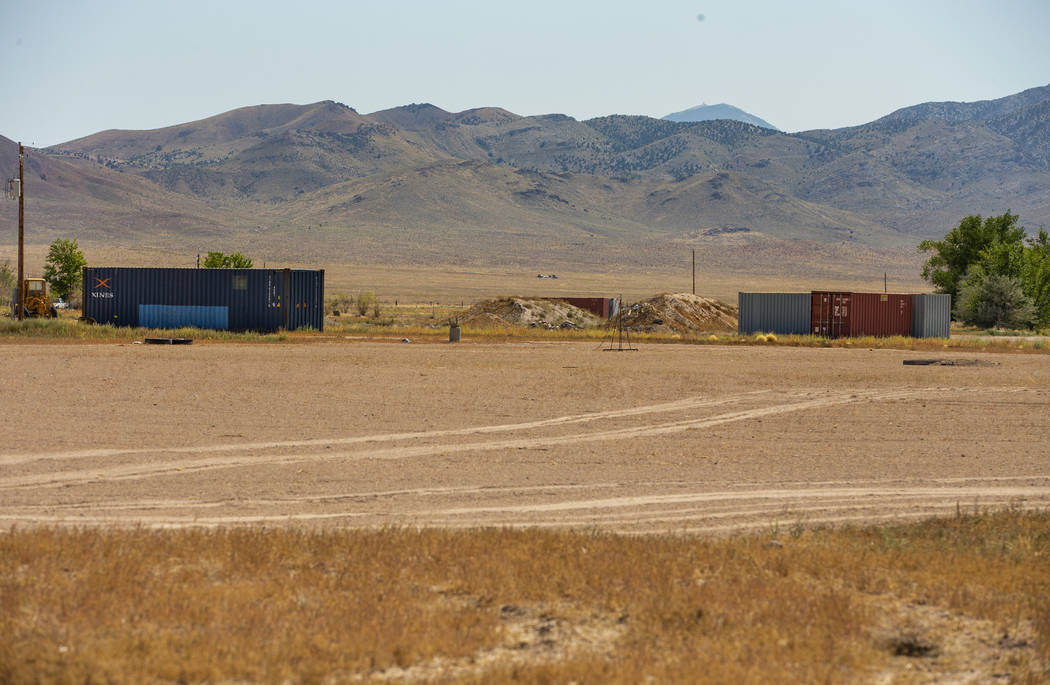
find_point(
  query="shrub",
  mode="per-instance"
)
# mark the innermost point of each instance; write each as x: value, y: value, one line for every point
x: 995, y: 300
x: 340, y: 302
x: 364, y: 301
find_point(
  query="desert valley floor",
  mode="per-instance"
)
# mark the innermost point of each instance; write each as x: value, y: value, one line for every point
x: 669, y: 438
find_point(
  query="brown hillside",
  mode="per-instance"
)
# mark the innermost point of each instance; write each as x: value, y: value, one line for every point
x: 486, y: 186
x: 73, y: 198
x: 242, y: 125
x: 268, y: 154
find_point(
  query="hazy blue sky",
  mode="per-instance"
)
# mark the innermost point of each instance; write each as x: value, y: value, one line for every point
x: 73, y: 68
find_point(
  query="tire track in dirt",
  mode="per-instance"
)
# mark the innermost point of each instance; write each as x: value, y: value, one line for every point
x: 365, y: 497
x: 774, y: 494
x: 665, y: 407
x: 173, y: 467
x: 705, y: 511
x: 771, y: 507
x: 737, y: 510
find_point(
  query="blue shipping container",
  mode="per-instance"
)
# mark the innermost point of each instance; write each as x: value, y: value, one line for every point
x: 263, y: 300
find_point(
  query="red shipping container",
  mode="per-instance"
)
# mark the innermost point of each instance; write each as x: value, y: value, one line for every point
x: 830, y: 314
x: 599, y: 306
x: 842, y: 315
x: 881, y: 315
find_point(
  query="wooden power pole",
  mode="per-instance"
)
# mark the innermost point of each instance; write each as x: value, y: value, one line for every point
x: 21, y: 231
x: 694, y: 272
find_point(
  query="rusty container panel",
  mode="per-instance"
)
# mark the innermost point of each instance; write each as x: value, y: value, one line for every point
x: 831, y: 314
x: 599, y: 306
x: 881, y: 314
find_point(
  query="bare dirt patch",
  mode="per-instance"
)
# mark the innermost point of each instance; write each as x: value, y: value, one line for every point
x: 664, y: 313
x: 529, y: 311
x: 672, y: 438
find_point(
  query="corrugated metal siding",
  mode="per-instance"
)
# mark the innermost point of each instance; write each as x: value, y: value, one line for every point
x: 780, y: 313
x: 830, y: 314
x: 179, y: 316
x: 306, y: 303
x: 255, y: 299
x: 881, y: 315
x: 931, y: 315
x: 842, y: 315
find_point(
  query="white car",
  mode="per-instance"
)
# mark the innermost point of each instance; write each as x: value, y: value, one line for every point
x: 60, y: 304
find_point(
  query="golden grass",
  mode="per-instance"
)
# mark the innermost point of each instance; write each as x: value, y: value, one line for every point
x: 69, y: 329
x: 431, y: 321
x: 455, y: 283
x: 254, y: 604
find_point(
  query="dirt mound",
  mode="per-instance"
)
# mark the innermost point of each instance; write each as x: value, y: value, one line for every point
x: 525, y: 311
x: 680, y: 313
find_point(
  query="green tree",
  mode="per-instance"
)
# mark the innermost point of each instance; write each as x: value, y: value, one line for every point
x: 988, y: 300
x: 63, y: 268
x: 214, y: 260
x: 7, y: 281
x: 235, y: 260
x: 1035, y: 275
x: 989, y: 241
x: 239, y: 261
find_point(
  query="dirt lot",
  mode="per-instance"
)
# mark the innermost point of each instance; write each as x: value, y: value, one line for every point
x: 667, y: 438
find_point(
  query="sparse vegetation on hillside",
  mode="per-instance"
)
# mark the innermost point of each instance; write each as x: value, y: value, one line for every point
x: 264, y: 173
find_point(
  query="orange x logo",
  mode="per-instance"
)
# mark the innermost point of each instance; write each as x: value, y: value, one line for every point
x: 103, y: 282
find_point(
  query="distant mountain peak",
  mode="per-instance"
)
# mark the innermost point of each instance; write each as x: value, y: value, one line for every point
x: 706, y: 112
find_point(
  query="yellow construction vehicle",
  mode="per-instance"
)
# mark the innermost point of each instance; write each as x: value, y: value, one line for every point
x: 37, y: 303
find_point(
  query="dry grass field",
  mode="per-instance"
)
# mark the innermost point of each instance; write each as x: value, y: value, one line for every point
x: 386, y: 511
x: 721, y: 271
x: 961, y: 600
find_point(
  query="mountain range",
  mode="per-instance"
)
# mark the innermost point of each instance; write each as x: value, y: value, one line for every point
x: 418, y: 184
x: 707, y: 112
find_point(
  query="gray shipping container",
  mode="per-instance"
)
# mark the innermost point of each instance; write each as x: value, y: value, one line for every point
x: 780, y: 313
x: 931, y: 316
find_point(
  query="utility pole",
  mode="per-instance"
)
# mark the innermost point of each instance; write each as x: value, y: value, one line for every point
x: 21, y: 231
x: 694, y: 272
